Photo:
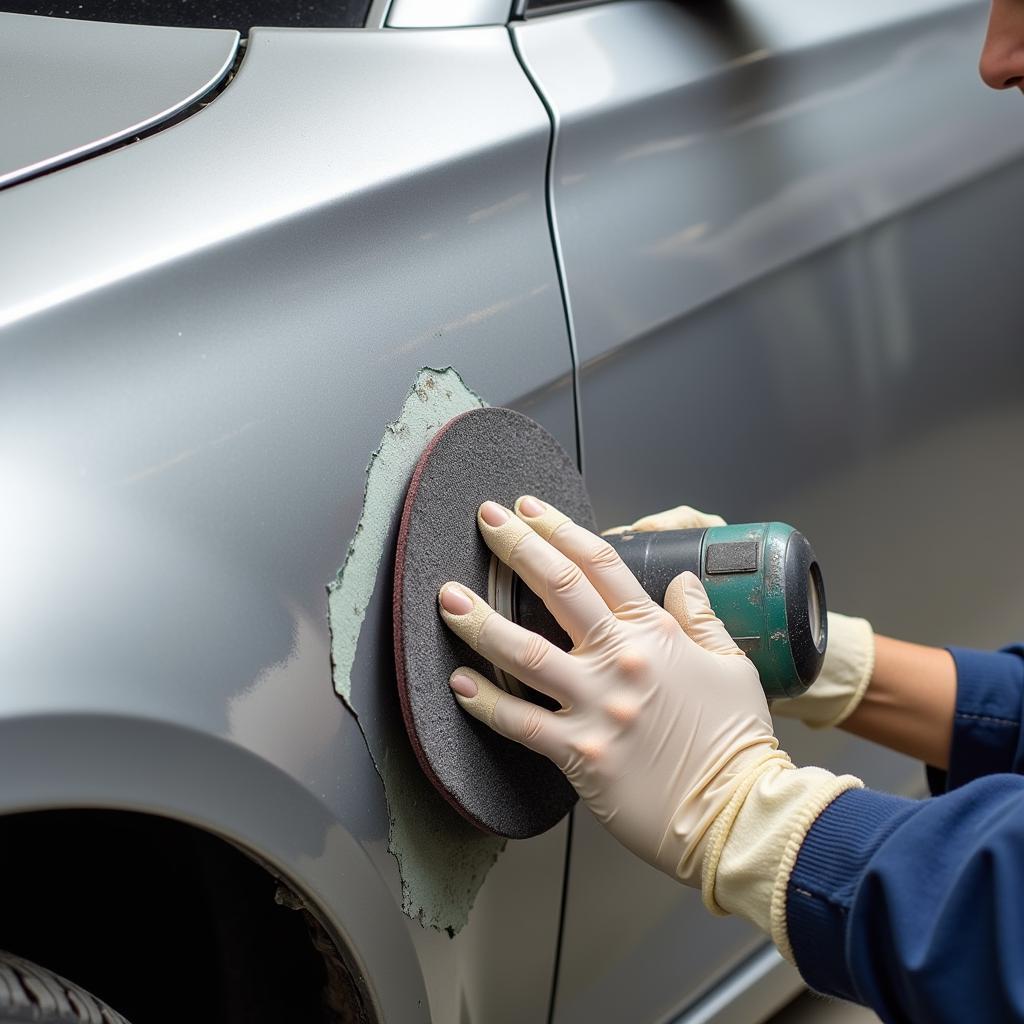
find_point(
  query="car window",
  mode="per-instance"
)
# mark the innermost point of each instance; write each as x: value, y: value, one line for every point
x: 237, y: 14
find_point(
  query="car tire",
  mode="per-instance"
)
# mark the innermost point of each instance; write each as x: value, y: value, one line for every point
x: 30, y: 994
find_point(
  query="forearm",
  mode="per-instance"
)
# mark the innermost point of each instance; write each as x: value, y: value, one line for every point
x: 912, y: 907
x: 910, y: 701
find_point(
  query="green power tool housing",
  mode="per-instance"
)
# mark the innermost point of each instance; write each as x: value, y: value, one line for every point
x: 762, y: 579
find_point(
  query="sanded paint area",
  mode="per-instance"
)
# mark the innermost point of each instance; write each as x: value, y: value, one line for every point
x: 442, y: 859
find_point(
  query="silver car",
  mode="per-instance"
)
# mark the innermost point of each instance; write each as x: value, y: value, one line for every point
x: 235, y: 262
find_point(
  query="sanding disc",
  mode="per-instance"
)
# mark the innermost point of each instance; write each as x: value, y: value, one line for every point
x: 497, y: 454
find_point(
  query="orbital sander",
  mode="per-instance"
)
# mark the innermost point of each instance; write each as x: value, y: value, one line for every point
x: 762, y: 580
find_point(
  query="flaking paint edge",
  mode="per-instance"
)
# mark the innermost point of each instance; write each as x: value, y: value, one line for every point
x: 442, y: 859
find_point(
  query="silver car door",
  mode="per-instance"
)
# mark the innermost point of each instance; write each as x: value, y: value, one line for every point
x: 794, y: 294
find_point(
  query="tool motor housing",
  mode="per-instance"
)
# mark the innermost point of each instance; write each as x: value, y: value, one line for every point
x: 763, y: 581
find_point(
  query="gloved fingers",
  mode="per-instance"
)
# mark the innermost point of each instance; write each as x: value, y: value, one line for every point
x: 687, y: 602
x: 558, y: 581
x: 519, y: 720
x: 528, y: 656
x: 682, y: 517
x: 600, y: 562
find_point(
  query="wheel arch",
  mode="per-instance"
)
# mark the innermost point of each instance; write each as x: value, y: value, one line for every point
x: 61, y: 763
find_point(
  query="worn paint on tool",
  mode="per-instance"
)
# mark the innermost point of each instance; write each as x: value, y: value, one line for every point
x: 442, y: 859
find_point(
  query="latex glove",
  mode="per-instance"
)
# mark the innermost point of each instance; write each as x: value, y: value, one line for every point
x: 682, y: 517
x: 663, y: 727
x: 849, y: 658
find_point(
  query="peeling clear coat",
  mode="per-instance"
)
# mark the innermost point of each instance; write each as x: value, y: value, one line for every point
x: 442, y: 859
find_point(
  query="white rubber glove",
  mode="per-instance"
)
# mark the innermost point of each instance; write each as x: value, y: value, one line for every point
x: 849, y: 658
x: 663, y: 730
x: 682, y: 517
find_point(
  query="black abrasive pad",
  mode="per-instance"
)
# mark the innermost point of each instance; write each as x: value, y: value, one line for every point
x: 497, y: 454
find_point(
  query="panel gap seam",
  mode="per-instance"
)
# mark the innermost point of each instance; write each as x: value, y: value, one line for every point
x: 570, y: 330
x: 556, y: 245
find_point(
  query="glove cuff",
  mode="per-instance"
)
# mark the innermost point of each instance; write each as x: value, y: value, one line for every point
x: 851, y: 662
x: 722, y: 826
x: 754, y: 842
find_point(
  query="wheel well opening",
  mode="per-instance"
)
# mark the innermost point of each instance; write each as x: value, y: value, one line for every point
x: 167, y: 922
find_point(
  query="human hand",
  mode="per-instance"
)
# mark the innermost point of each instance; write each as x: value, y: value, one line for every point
x: 661, y: 716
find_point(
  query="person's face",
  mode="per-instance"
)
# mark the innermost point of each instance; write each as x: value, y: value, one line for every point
x: 1002, y: 56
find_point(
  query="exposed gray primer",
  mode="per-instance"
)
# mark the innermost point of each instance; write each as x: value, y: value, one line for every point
x: 435, y: 397
x: 442, y: 859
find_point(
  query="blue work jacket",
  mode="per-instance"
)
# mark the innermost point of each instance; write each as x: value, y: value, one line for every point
x: 916, y: 907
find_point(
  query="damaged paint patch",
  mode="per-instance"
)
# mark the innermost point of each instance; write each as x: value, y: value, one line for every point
x: 442, y: 859
x: 435, y: 398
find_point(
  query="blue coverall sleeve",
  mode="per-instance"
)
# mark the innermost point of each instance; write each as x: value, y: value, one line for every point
x: 916, y: 908
x: 987, y: 722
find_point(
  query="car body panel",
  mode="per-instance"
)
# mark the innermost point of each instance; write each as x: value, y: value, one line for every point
x: 761, y: 140
x: 791, y: 291
x: 71, y: 88
x: 201, y: 352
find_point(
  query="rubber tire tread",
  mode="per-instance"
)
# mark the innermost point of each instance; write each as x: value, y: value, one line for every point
x: 30, y: 994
